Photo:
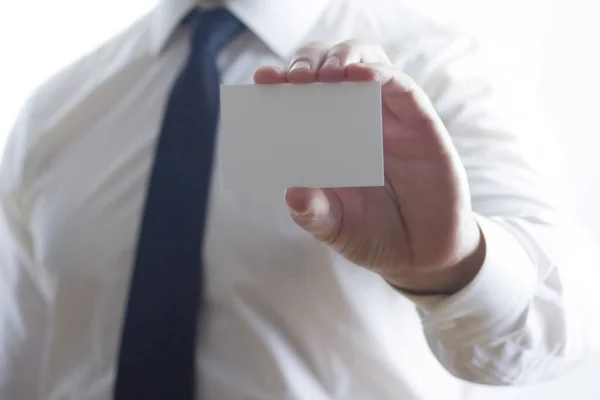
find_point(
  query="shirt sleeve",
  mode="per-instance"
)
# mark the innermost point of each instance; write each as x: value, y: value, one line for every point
x: 22, y: 300
x: 532, y: 312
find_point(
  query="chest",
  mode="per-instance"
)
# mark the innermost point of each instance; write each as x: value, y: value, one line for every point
x: 86, y: 213
x: 88, y: 200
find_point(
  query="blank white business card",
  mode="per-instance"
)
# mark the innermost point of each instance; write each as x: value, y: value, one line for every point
x: 313, y: 135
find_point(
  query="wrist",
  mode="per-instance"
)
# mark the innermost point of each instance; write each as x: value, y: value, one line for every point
x: 444, y: 280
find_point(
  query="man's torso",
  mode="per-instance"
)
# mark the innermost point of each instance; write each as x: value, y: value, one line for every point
x: 285, y: 317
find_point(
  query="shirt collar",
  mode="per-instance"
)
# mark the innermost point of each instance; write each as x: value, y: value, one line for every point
x: 281, y: 24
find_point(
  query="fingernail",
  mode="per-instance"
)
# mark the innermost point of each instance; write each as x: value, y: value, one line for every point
x: 299, y: 201
x: 301, y: 213
x: 300, y: 65
x: 332, y: 62
x: 309, y: 208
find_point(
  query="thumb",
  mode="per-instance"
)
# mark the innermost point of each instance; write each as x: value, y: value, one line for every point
x: 317, y: 211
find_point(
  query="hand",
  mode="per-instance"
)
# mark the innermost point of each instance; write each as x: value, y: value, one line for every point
x: 417, y: 231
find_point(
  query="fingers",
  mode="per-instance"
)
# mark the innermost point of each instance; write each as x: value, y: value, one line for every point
x: 353, y: 60
x: 269, y: 75
x: 340, y: 56
x: 324, y: 61
x: 307, y: 61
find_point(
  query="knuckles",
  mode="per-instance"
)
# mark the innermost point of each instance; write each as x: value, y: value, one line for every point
x: 329, y: 47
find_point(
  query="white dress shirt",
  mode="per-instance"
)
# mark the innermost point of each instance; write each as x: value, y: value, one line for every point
x: 286, y: 317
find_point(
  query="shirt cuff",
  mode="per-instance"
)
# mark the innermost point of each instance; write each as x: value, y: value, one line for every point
x: 502, y: 288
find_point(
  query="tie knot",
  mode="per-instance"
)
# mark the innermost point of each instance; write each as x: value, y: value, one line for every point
x: 212, y: 29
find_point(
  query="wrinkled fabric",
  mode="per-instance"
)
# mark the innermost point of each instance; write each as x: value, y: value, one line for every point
x: 286, y: 317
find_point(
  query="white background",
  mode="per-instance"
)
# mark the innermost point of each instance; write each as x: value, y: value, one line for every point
x: 553, y: 41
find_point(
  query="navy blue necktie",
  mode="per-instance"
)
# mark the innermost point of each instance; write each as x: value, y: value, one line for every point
x: 158, y: 342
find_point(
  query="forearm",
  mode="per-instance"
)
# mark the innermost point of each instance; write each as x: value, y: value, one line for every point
x: 529, y: 315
